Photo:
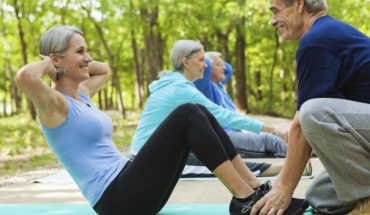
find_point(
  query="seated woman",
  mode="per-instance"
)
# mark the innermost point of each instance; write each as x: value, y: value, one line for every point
x: 176, y: 88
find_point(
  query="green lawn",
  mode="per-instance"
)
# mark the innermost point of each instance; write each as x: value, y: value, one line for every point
x: 21, y: 135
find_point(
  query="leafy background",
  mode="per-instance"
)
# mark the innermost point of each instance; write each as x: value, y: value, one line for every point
x: 135, y: 37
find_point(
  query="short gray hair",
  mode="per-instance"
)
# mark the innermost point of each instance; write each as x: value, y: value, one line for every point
x: 56, y: 39
x: 163, y: 73
x: 212, y: 54
x: 183, y: 49
x: 310, y: 5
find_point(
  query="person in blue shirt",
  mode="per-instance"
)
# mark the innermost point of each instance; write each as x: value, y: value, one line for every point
x: 332, y: 112
x: 80, y: 135
x: 175, y: 89
x: 248, y: 144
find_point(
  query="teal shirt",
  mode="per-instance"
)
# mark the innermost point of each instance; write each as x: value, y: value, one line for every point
x: 82, y: 143
x: 173, y: 90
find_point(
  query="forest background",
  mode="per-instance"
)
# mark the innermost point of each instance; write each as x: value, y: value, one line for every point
x: 135, y: 37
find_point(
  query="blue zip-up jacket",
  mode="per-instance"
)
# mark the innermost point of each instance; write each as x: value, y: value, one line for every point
x: 216, y: 92
x: 173, y: 90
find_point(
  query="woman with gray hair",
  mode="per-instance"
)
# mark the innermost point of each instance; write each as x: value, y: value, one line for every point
x: 79, y: 134
x: 257, y: 144
x: 175, y: 89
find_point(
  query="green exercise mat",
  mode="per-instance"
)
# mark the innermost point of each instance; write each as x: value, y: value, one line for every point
x: 84, y: 209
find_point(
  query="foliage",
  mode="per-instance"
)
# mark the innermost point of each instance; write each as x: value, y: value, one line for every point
x: 21, y: 135
x: 122, y: 26
x: 11, y: 167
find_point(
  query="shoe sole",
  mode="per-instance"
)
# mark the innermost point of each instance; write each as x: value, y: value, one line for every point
x: 296, y: 210
x: 299, y: 212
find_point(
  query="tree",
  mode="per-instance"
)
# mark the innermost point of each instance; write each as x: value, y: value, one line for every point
x: 135, y: 37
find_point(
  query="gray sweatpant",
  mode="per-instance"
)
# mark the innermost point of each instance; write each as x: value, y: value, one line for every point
x: 263, y: 145
x: 339, y: 132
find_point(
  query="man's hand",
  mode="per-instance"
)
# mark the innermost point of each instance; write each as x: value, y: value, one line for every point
x: 274, y: 202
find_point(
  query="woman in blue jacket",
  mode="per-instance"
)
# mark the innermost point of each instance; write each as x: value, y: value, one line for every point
x: 176, y: 88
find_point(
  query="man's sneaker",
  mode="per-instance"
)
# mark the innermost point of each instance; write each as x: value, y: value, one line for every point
x: 296, y: 207
x: 244, y: 208
x: 363, y: 207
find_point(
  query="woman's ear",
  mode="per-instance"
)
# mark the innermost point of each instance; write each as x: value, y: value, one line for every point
x: 55, y: 59
x: 185, y: 62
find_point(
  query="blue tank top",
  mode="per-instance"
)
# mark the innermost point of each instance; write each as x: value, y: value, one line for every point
x: 83, y: 145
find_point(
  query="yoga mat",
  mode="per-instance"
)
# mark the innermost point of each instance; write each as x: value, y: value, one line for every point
x: 63, y: 176
x: 84, y: 209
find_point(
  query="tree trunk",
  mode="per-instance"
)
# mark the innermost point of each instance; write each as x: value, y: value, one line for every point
x: 15, y: 101
x: 271, y: 82
x: 294, y: 82
x: 154, y: 44
x: 115, y: 76
x: 258, y: 80
x: 241, y: 82
x: 18, y: 15
x: 3, y: 112
x: 139, y: 84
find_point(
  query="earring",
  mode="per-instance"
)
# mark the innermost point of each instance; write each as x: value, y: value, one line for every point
x: 60, y: 72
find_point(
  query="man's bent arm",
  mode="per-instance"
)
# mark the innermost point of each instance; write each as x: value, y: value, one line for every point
x: 299, y: 151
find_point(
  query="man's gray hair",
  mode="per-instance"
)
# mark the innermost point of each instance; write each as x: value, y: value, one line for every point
x: 310, y: 5
x: 56, y: 40
x: 212, y: 54
x: 163, y: 73
x: 183, y: 49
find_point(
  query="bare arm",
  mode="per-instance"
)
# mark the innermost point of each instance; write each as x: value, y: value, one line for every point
x: 99, y: 74
x: 51, y: 105
x: 299, y: 152
x: 282, y: 134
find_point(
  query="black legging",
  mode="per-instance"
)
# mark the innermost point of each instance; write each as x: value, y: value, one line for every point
x: 145, y: 185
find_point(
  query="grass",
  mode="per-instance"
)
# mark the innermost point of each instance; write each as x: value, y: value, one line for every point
x: 23, y: 146
x: 14, y: 166
x: 21, y: 136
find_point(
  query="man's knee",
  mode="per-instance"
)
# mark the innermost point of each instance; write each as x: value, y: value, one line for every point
x: 310, y: 113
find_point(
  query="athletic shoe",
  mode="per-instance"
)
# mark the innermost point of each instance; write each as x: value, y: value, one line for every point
x: 308, y: 169
x: 296, y: 207
x: 363, y: 207
x: 244, y: 208
x: 265, y: 187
